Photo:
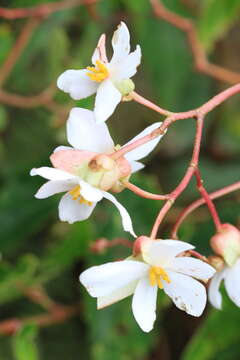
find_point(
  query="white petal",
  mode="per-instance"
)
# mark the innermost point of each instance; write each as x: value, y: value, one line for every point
x: 89, y: 192
x: 144, y: 304
x: 126, y: 220
x: 61, y: 147
x: 145, y: 149
x: 53, y: 187
x: 77, y: 84
x: 187, y: 293
x: 52, y: 173
x: 232, y: 283
x: 102, y: 280
x: 136, y: 166
x: 116, y: 295
x: 107, y: 98
x: 162, y: 252
x: 83, y: 133
x: 120, y: 43
x: 192, y: 267
x: 214, y: 294
x: 128, y: 66
x: 71, y: 210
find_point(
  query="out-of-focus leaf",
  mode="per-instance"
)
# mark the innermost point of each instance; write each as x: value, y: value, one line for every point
x: 63, y: 253
x: 24, y: 343
x: 58, y: 50
x: 219, y: 331
x: 15, y: 278
x: 6, y: 41
x: 216, y: 18
x: 3, y: 118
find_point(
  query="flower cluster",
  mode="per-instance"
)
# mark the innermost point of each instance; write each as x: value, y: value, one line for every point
x: 94, y: 167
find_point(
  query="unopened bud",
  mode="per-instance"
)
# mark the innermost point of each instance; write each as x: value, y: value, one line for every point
x: 226, y: 243
x: 125, y: 86
x: 217, y: 262
x: 139, y: 244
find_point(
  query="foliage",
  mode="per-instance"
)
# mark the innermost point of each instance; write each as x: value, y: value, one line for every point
x: 39, y: 250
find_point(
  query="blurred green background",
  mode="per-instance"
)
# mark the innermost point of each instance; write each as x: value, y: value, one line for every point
x: 40, y: 252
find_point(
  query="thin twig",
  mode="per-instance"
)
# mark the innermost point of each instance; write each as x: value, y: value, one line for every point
x: 193, y: 206
x: 18, y: 48
x: 42, y: 10
x: 199, y: 56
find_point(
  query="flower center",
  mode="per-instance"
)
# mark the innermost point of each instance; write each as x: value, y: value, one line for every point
x: 156, y: 275
x: 98, y: 73
x: 75, y: 193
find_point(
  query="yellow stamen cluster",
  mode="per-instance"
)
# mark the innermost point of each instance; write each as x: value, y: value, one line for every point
x: 156, y: 275
x: 99, y: 72
x: 75, y: 193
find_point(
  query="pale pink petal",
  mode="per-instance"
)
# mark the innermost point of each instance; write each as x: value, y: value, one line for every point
x: 107, y: 98
x: 77, y: 84
x: 102, y: 280
x: 144, y: 304
x: 187, y: 293
x: 72, y: 210
x: 85, y: 134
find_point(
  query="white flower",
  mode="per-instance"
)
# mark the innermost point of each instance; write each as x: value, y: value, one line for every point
x: 71, y: 173
x: 110, y: 80
x: 231, y: 277
x: 161, y: 268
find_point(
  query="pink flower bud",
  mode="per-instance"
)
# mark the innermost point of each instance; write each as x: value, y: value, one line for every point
x: 124, y: 167
x: 139, y: 243
x: 70, y: 160
x: 226, y: 243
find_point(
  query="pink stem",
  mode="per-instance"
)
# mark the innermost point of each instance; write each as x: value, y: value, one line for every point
x: 141, y: 100
x: 203, y: 110
x: 184, y: 182
x: 208, y: 201
x: 143, y: 193
x: 214, y: 195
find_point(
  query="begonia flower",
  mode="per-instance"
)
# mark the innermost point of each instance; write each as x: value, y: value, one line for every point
x: 86, y: 172
x: 109, y: 80
x: 159, y: 267
x: 227, y: 244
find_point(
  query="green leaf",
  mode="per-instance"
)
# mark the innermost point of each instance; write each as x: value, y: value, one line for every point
x: 65, y: 252
x: 6, y: 41
x: 15, y: 278
x: 24, y: 343
x: 216, y: 18
x: 218, y: 333
x: 58, y: 49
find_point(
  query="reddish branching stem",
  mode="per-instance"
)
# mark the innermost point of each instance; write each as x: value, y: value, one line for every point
x: 56, y: 313
x: 193, y: 206
x: 101, y: 244
x: 185, y: 180
x: 199, y: 56
x: 208, y: 200
x: 143, y: 193
x: 43, y: 10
